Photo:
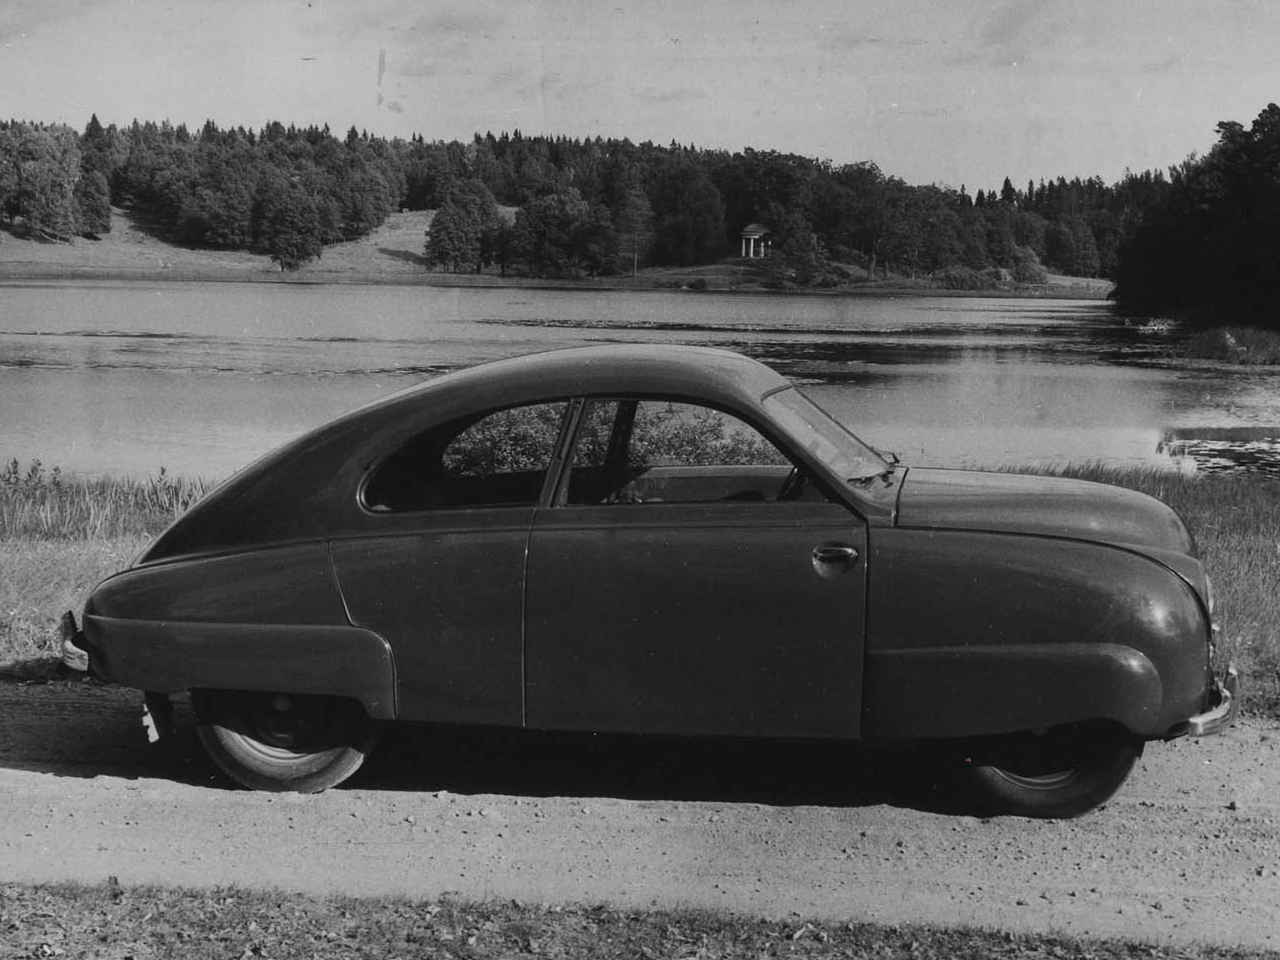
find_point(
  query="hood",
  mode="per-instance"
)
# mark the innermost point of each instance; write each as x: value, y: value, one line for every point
x: 1040, y: 506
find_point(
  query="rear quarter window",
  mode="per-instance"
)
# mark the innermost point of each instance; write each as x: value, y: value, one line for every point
x: 500, y: 459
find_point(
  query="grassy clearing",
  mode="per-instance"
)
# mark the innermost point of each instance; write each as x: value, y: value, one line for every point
x: 109, y: 920
x: 59, y: 536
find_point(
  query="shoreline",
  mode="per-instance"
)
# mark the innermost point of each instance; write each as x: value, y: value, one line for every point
x: 391, y: 255
x: 49, y: 273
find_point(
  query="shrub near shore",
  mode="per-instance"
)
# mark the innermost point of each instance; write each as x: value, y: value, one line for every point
x: 61, y: 535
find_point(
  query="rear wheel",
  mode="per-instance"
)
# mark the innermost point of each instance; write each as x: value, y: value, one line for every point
x: 1062, y: 772
x: 285, y: 742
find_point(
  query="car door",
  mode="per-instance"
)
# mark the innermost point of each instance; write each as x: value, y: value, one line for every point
x: 439, y: 571
x: 696, y: 588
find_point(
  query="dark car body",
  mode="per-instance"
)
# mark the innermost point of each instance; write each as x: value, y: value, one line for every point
x: 823, y: 593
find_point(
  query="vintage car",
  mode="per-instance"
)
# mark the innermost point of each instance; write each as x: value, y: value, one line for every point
x: 662, y: 540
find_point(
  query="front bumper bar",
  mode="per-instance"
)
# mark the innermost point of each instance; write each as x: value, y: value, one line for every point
x: 1222, y: 713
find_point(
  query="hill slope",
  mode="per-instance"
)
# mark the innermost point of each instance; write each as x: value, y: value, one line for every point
x: 394, y: 250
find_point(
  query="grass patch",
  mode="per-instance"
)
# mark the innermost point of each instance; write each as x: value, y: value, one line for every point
x: 40, y: 505
x: 1249, y: 346
x: 39, y: 579
x: 61, y: 535
x: 110, y: 920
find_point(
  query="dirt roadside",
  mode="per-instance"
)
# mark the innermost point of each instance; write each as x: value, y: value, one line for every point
x: 1189, y: 852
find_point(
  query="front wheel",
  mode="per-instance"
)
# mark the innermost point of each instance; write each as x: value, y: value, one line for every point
x: 1058, y: 773
x: 285, y: 742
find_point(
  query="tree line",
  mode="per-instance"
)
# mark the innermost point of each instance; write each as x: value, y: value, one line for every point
x: 562, y: 207
x: 1209, y: 251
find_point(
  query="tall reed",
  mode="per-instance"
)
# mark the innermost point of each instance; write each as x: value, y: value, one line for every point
x: 36, y: 504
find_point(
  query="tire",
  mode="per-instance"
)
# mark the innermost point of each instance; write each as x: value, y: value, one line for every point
x: 1056, y: 774
x: 285, y: 742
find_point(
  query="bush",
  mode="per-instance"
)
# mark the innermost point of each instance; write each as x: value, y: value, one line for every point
x: 1028, y: 269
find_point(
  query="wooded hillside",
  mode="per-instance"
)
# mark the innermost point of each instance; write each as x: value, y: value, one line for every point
x: 581, y: 207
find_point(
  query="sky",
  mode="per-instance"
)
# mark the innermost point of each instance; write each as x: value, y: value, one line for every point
x: 953, y: 92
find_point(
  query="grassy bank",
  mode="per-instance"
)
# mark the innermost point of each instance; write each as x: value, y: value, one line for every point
x: 59, y: 536
x: 112, y: 920
x: 39, y: 504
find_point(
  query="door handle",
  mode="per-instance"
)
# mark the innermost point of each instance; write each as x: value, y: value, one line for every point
x: 835, y: 553
x: 830, y: 559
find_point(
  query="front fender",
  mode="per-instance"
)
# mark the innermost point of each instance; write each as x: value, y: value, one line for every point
x: 269, y: 619
x: 974, y: 633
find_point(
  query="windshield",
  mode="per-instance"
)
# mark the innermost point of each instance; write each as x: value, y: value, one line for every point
x: 824, y: 438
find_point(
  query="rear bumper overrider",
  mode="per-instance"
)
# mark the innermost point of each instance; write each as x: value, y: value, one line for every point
x: 1224, y: 702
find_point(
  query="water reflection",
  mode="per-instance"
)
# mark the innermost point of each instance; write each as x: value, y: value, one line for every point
x: 202, y: 378
x: 1225, y: 449
x: 941, y: 414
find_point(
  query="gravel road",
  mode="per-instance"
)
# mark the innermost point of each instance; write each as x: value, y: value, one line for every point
x: 1188, y: 852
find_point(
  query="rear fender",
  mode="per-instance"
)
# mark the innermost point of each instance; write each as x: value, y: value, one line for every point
x: 170, y: 657
x: 262, y: 619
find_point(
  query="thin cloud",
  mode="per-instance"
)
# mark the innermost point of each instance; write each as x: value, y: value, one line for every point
x: 20, y: 18
x: 465, y: 22
x: 1008, y: 25
x: 845, y: 41
x: 680, y: 96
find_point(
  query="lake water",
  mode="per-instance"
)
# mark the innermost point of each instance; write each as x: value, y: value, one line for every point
x: 201, y: 378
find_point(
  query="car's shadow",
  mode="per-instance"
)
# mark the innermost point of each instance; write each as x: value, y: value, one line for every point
x: 655, y: 768
x: 88, y: 730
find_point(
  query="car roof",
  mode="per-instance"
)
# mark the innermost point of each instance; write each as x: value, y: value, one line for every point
x: 706, y: 373
x: 289, y: 492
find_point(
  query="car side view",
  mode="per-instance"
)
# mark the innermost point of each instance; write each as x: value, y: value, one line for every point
x: 662, y: 540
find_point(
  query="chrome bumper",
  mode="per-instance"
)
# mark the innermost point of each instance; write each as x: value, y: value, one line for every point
x: 1219, y: 716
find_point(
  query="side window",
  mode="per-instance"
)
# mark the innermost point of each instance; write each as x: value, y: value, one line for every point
x: 660, y: 451
x: 668, y: 434
x: 500, y: 459
x: 520, y: 440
